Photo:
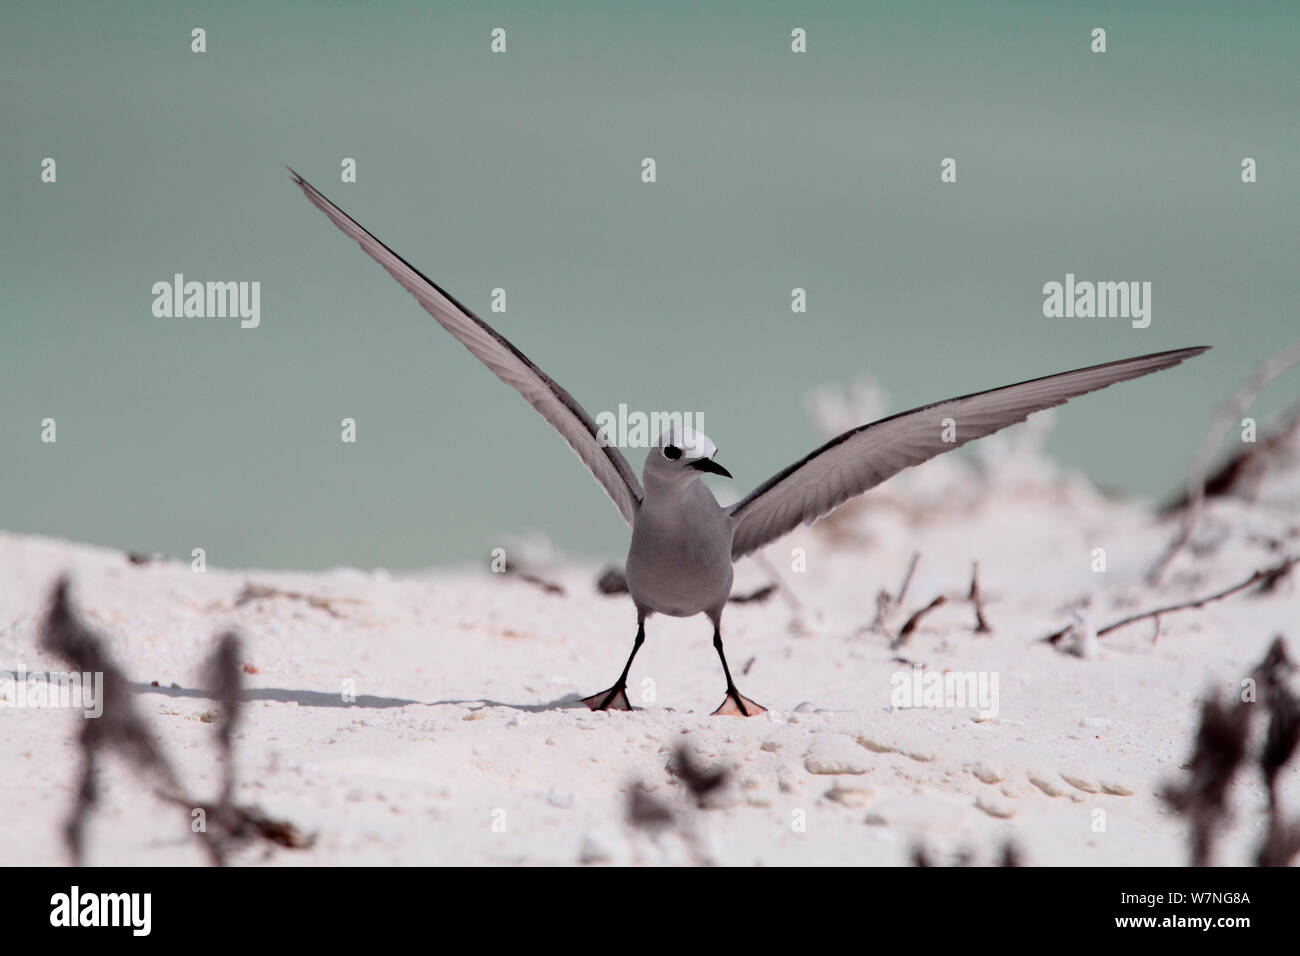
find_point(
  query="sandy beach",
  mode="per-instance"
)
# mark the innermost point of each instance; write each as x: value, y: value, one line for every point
x: 433, y: 718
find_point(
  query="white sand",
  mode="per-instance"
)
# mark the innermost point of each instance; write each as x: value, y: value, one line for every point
x: 466, y: 684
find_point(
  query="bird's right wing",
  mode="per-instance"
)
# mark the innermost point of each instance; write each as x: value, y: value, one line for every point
x: 864, y: 457
x: 510, y: 365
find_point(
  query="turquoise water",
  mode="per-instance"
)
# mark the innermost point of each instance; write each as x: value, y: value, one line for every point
x: 522, y: 171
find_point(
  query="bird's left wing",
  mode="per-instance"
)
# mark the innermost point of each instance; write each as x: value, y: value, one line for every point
x: 510, y: 365
x: 864, y: 457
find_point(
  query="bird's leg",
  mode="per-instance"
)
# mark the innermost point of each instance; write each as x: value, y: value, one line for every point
x: 735, y: 704
x: 615, y: 698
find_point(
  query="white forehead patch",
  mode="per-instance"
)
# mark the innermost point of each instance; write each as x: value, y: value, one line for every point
x: 694, y: 444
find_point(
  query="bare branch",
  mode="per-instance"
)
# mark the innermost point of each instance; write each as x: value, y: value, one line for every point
x: 914, y: 620
x: 1269, y: 577
x: 981, y: 625
x: 1227, y: 416
x: 907, y: 578
x: 257, y: 592
x: 757, y: 596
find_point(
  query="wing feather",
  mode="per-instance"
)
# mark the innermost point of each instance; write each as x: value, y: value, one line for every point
x: 863, y: 457
x: 538, y: 389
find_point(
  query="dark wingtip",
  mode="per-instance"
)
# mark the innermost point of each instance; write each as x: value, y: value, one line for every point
x: 1183, y: 353
x: 1192, y: 352
x: 1172, y: 357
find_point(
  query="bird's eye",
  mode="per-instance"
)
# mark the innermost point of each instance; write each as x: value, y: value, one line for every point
x: 672, y: 452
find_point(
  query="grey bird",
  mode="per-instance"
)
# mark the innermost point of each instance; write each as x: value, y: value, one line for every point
x: 683, y: 542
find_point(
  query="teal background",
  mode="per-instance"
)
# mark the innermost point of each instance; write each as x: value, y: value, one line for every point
x: 522, y: 170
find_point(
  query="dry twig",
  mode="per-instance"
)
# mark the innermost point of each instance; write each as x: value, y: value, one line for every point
x: 914, y: 620
x: 1227, y: 416
x: 1268, y: 576
x: 907, y: 578
x: 121, y: 728
x: 257, y: 592
x: 981, y: 625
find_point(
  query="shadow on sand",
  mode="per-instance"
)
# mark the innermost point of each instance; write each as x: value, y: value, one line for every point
x: 318, y: 698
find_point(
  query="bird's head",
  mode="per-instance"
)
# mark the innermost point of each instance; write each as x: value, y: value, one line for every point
x: 680, y: 455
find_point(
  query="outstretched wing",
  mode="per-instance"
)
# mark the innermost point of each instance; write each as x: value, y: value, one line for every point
x: 510, y: 365
x: 864, y: 457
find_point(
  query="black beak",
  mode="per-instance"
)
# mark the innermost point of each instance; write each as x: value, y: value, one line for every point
x: 711, y: 466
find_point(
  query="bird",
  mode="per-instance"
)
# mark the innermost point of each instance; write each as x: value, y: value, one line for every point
x: 684, y: 544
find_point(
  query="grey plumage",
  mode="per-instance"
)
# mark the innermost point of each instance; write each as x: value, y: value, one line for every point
x: 863, y: 457
x: 506, y: 362
x: 683, y: 542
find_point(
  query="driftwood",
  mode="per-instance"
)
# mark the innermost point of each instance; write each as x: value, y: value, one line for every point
x: 550, y: 587
x: 885, y: 603
x: 259, y: 592
x: 1266, y: 578
x: 1227, y: 416
x: 121, y: 729
x: 1223, y: 750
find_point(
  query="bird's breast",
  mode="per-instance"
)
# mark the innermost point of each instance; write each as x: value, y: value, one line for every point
x: 680, y: 562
